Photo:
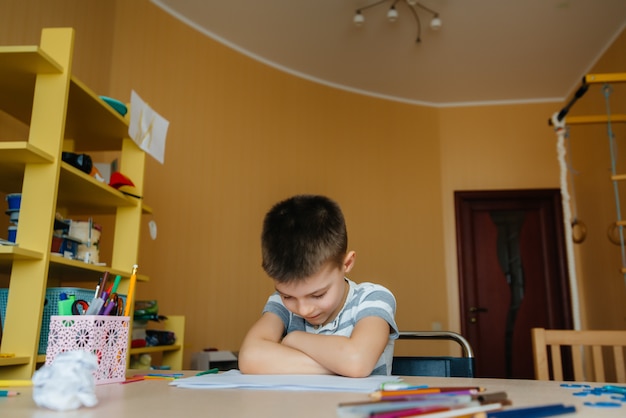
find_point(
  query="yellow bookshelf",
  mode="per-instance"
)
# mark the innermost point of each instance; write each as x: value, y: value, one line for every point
x: 63, y: 114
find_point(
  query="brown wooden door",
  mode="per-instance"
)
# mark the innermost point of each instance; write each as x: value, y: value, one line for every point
x: 512, y: 275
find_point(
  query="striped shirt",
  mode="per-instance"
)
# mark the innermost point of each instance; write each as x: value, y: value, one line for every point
x: 364, y: 299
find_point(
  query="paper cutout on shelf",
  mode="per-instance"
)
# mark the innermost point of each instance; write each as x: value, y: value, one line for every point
x: 324, y: 383
x: 147, y: 128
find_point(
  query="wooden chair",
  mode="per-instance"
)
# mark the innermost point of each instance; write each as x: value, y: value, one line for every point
x: 543, y: 339
x: 442, y: 366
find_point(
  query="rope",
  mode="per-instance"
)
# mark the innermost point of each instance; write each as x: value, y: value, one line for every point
x: 607, y: 90
x: 571, y: 172
x: 577, y: 224
x: 559, y: 127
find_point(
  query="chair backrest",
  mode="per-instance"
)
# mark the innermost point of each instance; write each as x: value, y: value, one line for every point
x: 444, y: 366
x: 549, y: 356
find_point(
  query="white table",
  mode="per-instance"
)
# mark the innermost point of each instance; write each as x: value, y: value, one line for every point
x: 156, y: 398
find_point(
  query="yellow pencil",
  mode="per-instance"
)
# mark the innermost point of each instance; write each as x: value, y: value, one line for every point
x: 130, y: 298
x: 15, y: 383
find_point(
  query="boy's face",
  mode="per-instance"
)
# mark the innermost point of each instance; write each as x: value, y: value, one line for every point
x: 320, y: 297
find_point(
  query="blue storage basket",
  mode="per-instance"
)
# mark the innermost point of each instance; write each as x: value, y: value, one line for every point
x: 51, y: 307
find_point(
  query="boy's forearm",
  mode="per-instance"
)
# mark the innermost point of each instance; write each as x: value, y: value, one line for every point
x: 268, y: 357
x: 336, y: 353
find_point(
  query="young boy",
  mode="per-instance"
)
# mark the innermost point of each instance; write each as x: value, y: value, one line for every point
x: 317, y: 321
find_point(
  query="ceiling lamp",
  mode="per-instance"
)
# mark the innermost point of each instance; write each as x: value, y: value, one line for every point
x: 392, y: 14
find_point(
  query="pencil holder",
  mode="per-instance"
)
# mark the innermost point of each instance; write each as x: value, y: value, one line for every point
x: 104, y: 336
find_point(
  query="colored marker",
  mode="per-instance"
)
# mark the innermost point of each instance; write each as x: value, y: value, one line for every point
x: 94, y: 306
x: 533, y: 412
x: 116, y: 283
x: 103, y: 283
x: 400, y: 386
x: 210, y: 371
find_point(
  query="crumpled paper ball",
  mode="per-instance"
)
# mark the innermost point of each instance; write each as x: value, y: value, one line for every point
x: 68, y: 383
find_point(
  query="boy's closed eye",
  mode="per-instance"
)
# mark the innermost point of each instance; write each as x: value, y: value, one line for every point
x: 320, y: 296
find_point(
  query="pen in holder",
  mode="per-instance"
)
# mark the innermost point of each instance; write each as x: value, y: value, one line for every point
x: 95, y: 306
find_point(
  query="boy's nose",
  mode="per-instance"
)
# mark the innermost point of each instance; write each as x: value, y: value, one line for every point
x: 305, y: 309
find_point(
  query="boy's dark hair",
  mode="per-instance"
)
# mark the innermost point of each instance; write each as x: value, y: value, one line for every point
x: 300, y: 234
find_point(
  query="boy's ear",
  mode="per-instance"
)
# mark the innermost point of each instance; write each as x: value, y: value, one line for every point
x: 349, y: 260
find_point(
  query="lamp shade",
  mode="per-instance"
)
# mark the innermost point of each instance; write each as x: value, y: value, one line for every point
x: 358, y: 18
x: 435, y: 24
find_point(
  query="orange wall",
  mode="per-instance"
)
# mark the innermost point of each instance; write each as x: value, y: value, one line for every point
x: 243, y: 135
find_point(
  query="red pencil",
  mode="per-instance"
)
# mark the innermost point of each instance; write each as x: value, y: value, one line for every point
x: 133, y: 379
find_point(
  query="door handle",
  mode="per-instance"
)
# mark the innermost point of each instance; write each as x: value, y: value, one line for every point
x: 475, y: 309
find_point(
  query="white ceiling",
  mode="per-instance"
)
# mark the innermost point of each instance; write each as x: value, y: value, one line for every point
x: 487, y: 51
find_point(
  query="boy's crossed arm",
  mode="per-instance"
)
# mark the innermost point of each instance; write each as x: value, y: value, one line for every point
x: 262, y: 351
x: 353, y: 356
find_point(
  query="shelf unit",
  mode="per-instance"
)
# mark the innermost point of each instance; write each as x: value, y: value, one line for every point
x: 37, y: 89
x: 172, y: 355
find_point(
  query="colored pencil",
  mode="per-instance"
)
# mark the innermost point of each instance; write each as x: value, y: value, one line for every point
x: 7, y: 393
x: 130, y: 298
x: 13, y: 383
x: 444, y: 412
x: 158, y: 378
x: 383, y: 394
x: 483, y: 398
x: 411, y: 412
x: 133, y: 379
x: 392, y: 397
x: 167, y: 375
x: 351, y: 409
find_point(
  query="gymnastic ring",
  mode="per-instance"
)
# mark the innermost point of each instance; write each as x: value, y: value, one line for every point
x: 611, y: 234
x: 583, y: 231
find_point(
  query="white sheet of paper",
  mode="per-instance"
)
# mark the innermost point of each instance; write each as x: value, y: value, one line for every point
x: 234, y: 379
x: 147, y: 128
